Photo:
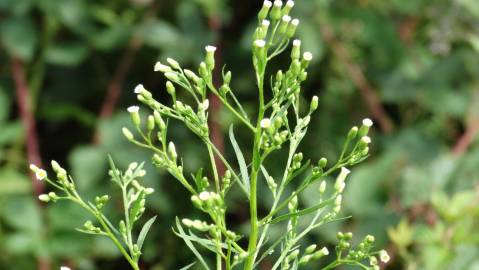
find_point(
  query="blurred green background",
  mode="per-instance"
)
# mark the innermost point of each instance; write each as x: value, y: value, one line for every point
x: 67, y: 73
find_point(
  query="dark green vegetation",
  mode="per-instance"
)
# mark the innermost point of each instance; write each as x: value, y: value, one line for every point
x: 412, y: 66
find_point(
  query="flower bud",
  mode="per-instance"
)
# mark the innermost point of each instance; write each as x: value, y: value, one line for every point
x: 203, y: 70
x: 210, y: 57
x: 283, y: 25
x: 172, y: 151
x: 227, y: 78
x: 353, y: 132
x: 173, y: 63
x: 305, y: 259
x: 159, y: 120
x: 307, y: 57
x: 314, y: 104
x: 296, y: 50
x: 310, y: 249
x: 150, y: 123
x: 339, y: 185
x: 44, y: 198
x: 172, y: 76
x: 162, y: 68
x: 287, y: 7
x: 263, y: 13
x: 322, y: 163
x: 265, y: 123
x: 364, y: 142
x: 263, y: 29
x: 292, y: 28
x: 170, y: 88
x: 127, y: 133
x: 367, y: 123
x: 259, y: 48
x: 191, y: 75
x: 322, y: 187
x: 135, y: 116
x: 320, y: 253
x: 275, y: 13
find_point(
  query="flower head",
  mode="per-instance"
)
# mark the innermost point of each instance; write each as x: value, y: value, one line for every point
x: 308, y: 56
x: 133, y: 109
x: 210, y: 48
x: 259, y: 43
x: 265, y: 123
x: 384, y: 256
x: 139, y: 88
x: 41, y: 174
x: 367, y: 122
x: 296, y: 43
x: 65, y: 268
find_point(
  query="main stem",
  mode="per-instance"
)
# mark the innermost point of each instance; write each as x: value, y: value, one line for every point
x: 254, y: 226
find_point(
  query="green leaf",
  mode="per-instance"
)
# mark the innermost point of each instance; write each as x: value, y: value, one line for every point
x: 13, y: 182
x: 303, y: 212
x: 19, y: 37
x: 188, y: 266
x: 144, y: 231
x: 181, y: 233
x: 159, y: 34
x: 67, y: 54
x: 241, y: 162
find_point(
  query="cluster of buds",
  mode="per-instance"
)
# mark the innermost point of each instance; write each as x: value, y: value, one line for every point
x: 272, y: 137
x: 90, y: 228
x: 318, y: 170
x: 296, y: 162
x: 209, y: 202
x: 226, y: 182
x: 361, y: 251
x: 277, y: 11
x: 271, y: 184
x: 50, y: 196
x: 310, y: 254
x: 101, y: 201
x: 197, y: 224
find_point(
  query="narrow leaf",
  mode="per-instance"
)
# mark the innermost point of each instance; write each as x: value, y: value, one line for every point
x: 181, y: 233
x: 241, y: 161
x: 303, y: 212
x: 188, y: 266
x: 144, y: 231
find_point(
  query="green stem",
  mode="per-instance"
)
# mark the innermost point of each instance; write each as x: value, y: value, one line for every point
x: 254, y: 225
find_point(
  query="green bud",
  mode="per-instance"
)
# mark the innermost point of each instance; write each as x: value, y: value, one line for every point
x: 292, y: 28
x: 172, y: 151
x: 210, y: 57
x: 44, y: 198
x: 314, y: 104
x: 191, y: 75
x: 150, y: 123
x: 127, y: 133
x: 275, y: 13
x: 162, y: 68
x: 172, y: 76
x: 310, y: 249
x: 287, y: 7
x: 283, y: 25
x: 305, y: 259
x: 170, y: 88
x: 353, y: 132
x: 263, y: 13
x: 296, y: 50
x: 159, y: 120
x: 227, y: 78
x: 364, y: 130
x: 322, y: 163
x: 135, y: 115
x: 173, y: 63
x: 203, y: 70
x: 322, y: 187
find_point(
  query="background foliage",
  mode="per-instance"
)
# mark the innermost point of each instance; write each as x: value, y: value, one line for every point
x: 70, y: 66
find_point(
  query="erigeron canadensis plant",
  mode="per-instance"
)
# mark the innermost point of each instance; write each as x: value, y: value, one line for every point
x: 280, y: 123
x: 133, y: 197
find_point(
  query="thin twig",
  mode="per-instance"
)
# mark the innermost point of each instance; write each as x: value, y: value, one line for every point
x: 31, y: 139
x: 367, y: 92
x: 216, y: 133
x: 472, y: 128
x: 26, y: 115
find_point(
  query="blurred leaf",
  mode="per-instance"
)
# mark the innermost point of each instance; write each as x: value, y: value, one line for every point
x: 19, y: 37
x: 22, y: 213
x: 88, y: 166
x: 13, y: 182
x: 11, y: 132
x: 110, y: 38
x: 158, y: 34
x: 67, y: 54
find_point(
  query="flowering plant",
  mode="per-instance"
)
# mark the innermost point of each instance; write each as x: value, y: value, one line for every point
x: 281, y: 122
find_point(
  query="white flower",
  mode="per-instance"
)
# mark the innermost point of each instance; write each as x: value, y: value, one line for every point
x: 295, y: 22
x: 384, y: 256
x: 259, y: 43
x: 286, y: 18
x: 267, y: 3
x: 265, y: 123
x: 40, y: 174
x: 139, y: 88
x: 296, y: 43
x: 44, y: 198
x: 307, y: 56
x: 160, y: 67
x: 290, y: 4
x: 133, y: 109
x: 366, y: 139
x: 367, y: 122
x: 205, y: 195
x: 65, y: 268
x: 324, y: 251
x: 210, y: 48
x: 265, y: 23
x: 34, y: 168
x: 278, y: 3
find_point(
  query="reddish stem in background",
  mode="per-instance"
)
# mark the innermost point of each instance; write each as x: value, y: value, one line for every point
x: 472, y: 128
x: 216, y: 133
x: 26, y: 115
x: 358, y: 78
x: 31, y: 139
